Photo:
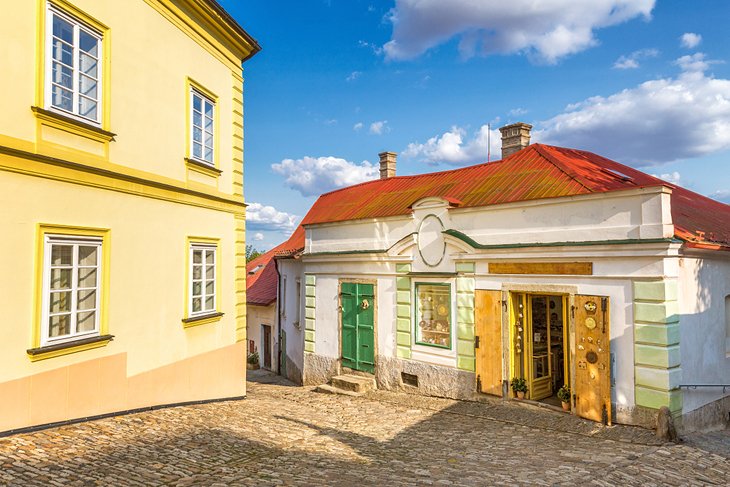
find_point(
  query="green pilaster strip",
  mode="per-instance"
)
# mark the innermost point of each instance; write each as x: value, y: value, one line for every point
x: 657, y: 369
x: 465, y: 357
x: 403, y: 312
x: 310, y: 302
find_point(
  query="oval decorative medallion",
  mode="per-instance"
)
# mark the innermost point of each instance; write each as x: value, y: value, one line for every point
x: 431, y: 243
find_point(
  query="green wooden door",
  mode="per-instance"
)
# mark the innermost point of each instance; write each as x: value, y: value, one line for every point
x: 358, y: 332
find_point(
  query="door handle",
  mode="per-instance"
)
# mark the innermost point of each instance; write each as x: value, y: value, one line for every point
x: 366, y: 345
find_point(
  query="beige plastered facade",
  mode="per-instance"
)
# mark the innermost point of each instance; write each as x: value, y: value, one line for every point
x: 129, y: 178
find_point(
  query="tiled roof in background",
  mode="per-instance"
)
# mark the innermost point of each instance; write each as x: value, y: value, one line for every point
x: 536, y: 172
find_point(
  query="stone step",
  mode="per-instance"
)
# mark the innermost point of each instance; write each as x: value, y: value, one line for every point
x: 353, y: 383
x: 328, y: 389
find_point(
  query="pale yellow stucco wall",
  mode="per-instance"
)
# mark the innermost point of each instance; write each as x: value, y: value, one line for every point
x: 138, y: 186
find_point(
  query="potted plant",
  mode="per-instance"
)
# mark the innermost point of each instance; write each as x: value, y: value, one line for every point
x: 519, y: 387
x: 564, y: 396
x: 252, y: 361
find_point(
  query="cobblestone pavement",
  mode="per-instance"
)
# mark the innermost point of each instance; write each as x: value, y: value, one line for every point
x: 284, y: 435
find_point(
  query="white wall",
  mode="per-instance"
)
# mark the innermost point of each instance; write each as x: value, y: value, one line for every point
x: 704, y: 284
x: 291, y: 270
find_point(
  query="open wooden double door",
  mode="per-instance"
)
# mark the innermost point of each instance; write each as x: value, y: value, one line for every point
x: 549, y: 340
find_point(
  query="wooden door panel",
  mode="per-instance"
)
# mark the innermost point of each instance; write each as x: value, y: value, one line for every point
x: 592, y: 358
x: 348, y: 296
x: 365, y: 328
x: 488, y: 329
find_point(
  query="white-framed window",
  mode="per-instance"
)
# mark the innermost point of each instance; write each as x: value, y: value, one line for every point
x: 202, y: 116
x: 203, y: 283
x: 71, y: 288
x: 298, y: 315
x: 73, y: 66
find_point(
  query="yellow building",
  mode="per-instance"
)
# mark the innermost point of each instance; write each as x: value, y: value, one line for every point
x: 122, y: 221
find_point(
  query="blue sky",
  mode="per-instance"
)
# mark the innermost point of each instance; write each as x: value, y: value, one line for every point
x: 644, y: 82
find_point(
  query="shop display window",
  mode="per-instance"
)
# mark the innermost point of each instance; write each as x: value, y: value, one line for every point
x: 433, y: 315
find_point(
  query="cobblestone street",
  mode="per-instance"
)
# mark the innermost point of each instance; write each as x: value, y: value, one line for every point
x: 284, y: 435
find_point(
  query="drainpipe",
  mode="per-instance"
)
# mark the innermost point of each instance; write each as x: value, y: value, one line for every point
x: 278, y: 316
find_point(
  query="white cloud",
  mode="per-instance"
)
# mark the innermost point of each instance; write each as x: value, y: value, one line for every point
x: 379, y: 128
x: 695, y: 62
x: 671, y: 177
x: 517, y: 112
x: 316, y: 175
x: 258, y: 236
x: 657, y: 121
x: 631, y: 61
x: 353, y: 76
x: 455, y: 148
x: 690, y: 40
x: 546, y: 30
x: 357, y: 127
x: 330, y: 122
x: 721, y: 195
x: 261, y: 217
x: 377, y: 50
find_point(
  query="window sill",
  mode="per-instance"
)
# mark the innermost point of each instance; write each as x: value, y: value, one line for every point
x: 50, y: 351
x: 70, y: 124
x: 201, y: 320
x: 202, y: 167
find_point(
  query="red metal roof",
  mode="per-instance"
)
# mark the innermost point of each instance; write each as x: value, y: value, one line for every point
x: 261, y: 285
x: 536, y: 172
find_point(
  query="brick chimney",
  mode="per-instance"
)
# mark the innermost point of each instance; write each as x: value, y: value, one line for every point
x: 515, y: 137
x: 387, y: 164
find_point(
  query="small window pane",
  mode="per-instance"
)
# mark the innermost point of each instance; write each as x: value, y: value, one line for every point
x: 62, y: 75
x: 209, y: 257
x: 85, y: 321
x: 210, y: 303
x: 197, y: 150
x: 197, y: 103
x: 87, y: 277
x: 87, y: 299
x: 208, y: 140
x: 62, y: 255
x: 89, y: 65
x: 87, y: 256
x: 196, y: 305
x: 208, y: 154
x: 197, y: 134
x: 62, y: 98
x: 87, y: 86
x: 61, y: 278
x: 59, y: 325
x: 197, y: 256
x: 87, y: 108
x: 63, y: 53
x: 210, y: 272
x: 210, y: 287
x: 197, y: 288
x: 89, y: 43
x: 197, y: 272
x: 209, y: 124
x: 433, y: 313
x: 60, y: 302
x: 208, y: 109
x: 197, y: 119
x: 63, y: 30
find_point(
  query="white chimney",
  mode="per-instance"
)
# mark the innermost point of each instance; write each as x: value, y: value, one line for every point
x: 387, y: 164
x: 515, y: 137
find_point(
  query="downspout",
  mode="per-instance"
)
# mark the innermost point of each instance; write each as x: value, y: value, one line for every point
x: 278, y: 316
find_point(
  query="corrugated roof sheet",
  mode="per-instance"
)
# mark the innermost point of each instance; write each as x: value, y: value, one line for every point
x: 536, y: 172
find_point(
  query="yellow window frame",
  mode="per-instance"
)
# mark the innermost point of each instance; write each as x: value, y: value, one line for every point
x: 214, y: 316
x: 192, y: 163
x: 60, y: 121
x: 44, y: 230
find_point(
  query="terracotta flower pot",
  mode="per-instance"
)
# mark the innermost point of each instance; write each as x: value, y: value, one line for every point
x: 566, y: 406
x: 520, y: 394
